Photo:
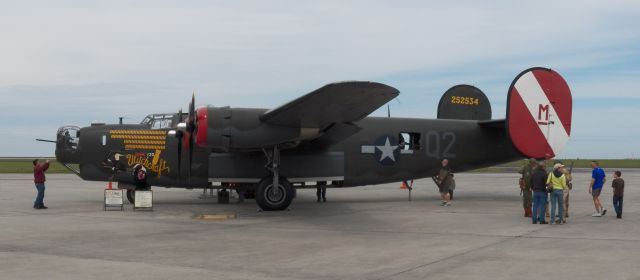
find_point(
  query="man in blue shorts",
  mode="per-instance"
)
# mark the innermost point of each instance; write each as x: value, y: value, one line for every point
x: 598, y: 178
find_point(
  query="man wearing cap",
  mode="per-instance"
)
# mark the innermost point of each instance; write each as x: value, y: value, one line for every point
x: 525, y: 185
x: 598, y: 178
x: 38, y: 179
x: 557, y: 182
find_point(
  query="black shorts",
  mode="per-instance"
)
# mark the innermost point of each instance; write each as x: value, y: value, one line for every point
x: 596, y: 192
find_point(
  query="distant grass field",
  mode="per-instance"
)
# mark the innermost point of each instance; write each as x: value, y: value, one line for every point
x: 20, y: 165
x: 24, y: 165
x: 607, y: 164
x: 585, y: 163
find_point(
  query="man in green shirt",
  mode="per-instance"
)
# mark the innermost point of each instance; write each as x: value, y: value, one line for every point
x: 566, y: 191
x: 444, y: 180
x: 525, y: 185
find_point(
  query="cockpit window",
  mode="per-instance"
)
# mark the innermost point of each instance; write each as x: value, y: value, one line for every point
x: 158, y: 121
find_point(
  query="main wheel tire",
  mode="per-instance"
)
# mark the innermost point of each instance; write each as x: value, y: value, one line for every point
x: 274, y: 199
x: 131, y: 196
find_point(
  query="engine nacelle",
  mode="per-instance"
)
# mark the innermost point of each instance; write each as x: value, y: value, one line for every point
x: 225, y: 129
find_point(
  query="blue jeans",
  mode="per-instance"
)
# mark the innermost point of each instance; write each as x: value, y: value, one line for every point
x: 557, y: 198
x: 539, y: 201
x: 617, y: 204
x: 40, y: 197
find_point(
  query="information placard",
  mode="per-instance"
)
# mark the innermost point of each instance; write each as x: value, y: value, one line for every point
x: 143, y: 199
x: 113, y: 198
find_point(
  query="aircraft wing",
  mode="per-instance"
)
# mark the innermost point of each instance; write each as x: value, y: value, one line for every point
x: 341, y: 102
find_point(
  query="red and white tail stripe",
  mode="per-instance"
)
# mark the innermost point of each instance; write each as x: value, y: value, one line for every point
x: 539, y: 113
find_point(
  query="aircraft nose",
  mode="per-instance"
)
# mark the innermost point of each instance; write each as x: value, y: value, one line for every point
x: 67, y: 139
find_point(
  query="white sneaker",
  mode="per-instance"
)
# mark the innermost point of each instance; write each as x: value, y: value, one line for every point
x: 596, y: 215
x: 447, y: 204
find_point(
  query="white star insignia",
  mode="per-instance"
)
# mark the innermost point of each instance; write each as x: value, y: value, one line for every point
x: 387, y: 151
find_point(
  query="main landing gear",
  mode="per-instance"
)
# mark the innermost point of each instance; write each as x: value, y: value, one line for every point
x: 274, y: 192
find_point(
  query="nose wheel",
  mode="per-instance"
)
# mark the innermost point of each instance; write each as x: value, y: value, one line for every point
x: 131, y: 196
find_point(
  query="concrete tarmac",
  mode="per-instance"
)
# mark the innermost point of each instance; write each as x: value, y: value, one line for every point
x: 370, y: 232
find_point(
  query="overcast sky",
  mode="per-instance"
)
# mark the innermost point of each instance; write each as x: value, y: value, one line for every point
x: 73, y: 62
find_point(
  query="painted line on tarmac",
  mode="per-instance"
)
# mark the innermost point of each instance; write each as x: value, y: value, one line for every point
x: 216, y: 217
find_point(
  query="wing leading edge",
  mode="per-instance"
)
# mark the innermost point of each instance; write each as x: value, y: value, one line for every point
x: 341, y: 102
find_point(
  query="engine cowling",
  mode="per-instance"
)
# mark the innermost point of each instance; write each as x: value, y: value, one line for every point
x: 225, y: 129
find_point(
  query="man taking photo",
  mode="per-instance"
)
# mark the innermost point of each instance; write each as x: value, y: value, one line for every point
x: 38, y: 179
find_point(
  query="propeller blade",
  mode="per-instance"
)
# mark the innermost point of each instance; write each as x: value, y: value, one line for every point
x: 190, y: 154
x: 192, y: 107
x: 44, y: 140
x: 191, y: 128
x: 179, y: 134
x: 179, y: 154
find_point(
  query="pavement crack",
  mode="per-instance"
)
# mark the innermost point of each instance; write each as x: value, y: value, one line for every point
x: 448, y: 258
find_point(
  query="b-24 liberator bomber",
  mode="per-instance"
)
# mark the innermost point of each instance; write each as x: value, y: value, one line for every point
x: 324, y: 137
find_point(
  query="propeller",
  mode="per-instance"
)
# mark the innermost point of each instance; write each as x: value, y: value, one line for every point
x: 179, y: 135
x: 191, y: 128
x: 188, y: 129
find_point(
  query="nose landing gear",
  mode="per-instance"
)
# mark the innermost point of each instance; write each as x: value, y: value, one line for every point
x: 131, y: 196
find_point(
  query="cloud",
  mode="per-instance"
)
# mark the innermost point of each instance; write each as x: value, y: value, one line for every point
x: 603, y: 132
x: 216, y: 43
x: 74, y: 62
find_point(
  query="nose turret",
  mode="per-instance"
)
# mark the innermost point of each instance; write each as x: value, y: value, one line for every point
x: 67, y: 139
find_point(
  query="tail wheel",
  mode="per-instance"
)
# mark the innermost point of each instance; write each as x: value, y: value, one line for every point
x: 131, y: 196
x: 271, y: 198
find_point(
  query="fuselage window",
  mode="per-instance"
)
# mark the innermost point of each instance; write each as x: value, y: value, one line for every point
x: 409, y: 141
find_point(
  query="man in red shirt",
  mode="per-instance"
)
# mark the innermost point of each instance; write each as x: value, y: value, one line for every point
x: 38, y: 179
